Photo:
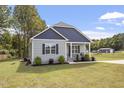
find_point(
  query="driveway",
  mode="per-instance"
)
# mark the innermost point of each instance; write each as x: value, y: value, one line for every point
x: 113, y: 61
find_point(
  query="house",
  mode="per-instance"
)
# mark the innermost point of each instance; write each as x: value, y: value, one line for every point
x: 105, y: 50
x: 59, y: 39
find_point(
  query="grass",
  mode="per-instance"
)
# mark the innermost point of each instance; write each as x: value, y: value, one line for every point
x: 16, y: 74
x: 110, y: 56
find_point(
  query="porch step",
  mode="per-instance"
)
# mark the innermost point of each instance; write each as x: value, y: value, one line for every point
x: 72, y: 62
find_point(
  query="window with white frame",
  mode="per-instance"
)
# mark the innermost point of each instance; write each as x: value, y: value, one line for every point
x: 75, y: 49
x: 50, y: 48
x: 47, y: 49
x: 53, y: 49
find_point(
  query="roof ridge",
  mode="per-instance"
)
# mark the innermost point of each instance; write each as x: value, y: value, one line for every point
x: 63, y: 24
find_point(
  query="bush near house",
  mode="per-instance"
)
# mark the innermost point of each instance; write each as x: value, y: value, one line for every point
x: 93, y: 59
x: 86, y: 57
x: 61, y: 59
x: 51, y: 61
x: 37, y: 61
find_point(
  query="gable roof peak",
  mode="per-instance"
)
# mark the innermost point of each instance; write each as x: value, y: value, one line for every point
x: 62, y: 24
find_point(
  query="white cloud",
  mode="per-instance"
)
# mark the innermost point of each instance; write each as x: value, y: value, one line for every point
x: 114, y: 18
x: 97, y: 35
x: 112, y: 15
x: 100, y: 28
x: 122, y: 22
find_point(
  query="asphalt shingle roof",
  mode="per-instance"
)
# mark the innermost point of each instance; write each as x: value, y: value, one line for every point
x: 68, y: 31
x: 49, y: 34
x: 71, y: 34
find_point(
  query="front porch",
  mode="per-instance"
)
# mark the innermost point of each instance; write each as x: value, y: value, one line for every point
x: 77, y: 50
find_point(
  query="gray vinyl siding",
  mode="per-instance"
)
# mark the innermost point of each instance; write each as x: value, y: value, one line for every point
x: 37, y: 50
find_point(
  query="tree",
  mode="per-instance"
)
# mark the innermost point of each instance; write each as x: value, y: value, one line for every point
x: 30, y: 23
x: 4, y: 20
x: 4, y: 17
x: 116, y: 42
x: 6, y: 40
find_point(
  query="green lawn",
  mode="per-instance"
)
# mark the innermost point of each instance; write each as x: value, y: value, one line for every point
x: 109, y: 56
x: 16, y: 74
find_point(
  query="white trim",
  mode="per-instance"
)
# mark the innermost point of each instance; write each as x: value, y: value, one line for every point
x: 50, y: 44
x: 40, y: 33
x: 73, y: 49
x: 48, y: 40
x: 32, y: 55
x: 66, y: 51
x: 53, y: 30
x: 89, y: 50
x: 79, y: 42
x: 70, y: 50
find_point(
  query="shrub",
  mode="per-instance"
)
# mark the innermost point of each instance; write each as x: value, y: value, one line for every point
x: 61, y: 59
x: 51, y: 61
x: 87, y: 57
x: 25, y: 59
x: 38, y: 61
x: 4, y: 51
x: 28, y: 62
x: 82, y: 58
x: 93, y: 59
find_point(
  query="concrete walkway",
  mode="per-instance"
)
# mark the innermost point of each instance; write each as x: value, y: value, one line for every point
x: 106, y: 61
x: 81, y: 62
x: 113, y: 61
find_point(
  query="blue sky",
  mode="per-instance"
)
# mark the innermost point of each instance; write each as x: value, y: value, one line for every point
x: 95, y: 21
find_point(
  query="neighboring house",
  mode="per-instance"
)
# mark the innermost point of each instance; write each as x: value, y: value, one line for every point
x: 105, y: 50
x: 59, y: 39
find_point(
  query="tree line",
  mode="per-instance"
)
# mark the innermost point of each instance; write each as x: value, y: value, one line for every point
x: 116, y: 42
x: 25, y: 22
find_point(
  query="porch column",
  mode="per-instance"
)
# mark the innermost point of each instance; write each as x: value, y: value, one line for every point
x: 70, y: 50
x: 89, y: 50
x: 66, y: 51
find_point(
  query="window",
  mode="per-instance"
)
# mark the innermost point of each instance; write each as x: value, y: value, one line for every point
x: 50, y: 48
x: 47, y: 49
x: 75, y: 49
x: 53, y: 49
